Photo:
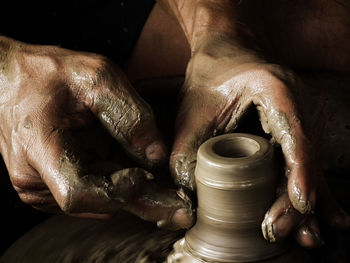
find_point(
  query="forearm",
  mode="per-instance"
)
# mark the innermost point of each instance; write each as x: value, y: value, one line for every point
x: 6, y: 47
x: 3, y: 51
x: 198, y: 18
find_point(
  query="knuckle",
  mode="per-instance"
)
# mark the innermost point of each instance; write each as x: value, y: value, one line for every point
x: 17, y: 180
x: 35, y: 199
x: 23, y: 181
x: 283, y: 74
x: 91, y: 71
x: 130, y: 119
x: 102, y: 69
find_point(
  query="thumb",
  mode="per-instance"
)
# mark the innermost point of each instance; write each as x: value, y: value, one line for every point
x: 128, y: 118
x: 171, y: 209
x: 194, y: 125
x: 75, y: 189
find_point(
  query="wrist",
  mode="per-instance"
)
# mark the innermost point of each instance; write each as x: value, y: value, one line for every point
x: 213, y: 17
x: 199, y: 18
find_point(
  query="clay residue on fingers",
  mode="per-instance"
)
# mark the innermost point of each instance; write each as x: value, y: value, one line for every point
x: 130, y: 121
x: 183, y: 169
x: 167, y: 207
x: 267, y: 229
x: 278, y: 125
x: 127, y: 182
x: 280, y: 220
x: 96, y: 193
x: 304, y: 206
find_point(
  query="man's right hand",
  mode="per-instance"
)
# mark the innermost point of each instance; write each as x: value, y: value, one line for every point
x: 51, y: 98
x: 224, y: 78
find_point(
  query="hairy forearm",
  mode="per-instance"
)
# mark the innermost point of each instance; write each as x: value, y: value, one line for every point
x: 199, y: 18
x: 5, y: 50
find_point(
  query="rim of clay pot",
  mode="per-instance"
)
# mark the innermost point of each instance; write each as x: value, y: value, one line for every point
x: 234, y: 149
x: 244, y: 153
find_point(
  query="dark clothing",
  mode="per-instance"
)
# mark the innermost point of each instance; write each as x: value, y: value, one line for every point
x: 108, y: 27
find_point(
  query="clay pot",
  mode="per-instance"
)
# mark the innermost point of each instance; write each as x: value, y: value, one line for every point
x: 236, y: 178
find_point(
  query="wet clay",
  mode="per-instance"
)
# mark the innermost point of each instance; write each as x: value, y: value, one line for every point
x: 236, y: 179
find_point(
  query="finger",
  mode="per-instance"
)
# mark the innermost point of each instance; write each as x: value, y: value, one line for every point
x: 280, y: 220
x: 202, y: 115
x: 333, y: 214
x: 127, y: 117
x: 308, y: 234
x: 76, y: 190
x: 194, y: 125
x: 170, y: 209
x: 280, y: 117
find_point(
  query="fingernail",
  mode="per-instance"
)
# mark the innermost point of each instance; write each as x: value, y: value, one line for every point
x: 269, y: 229
x: 315, y: 239
x: 156, y: 151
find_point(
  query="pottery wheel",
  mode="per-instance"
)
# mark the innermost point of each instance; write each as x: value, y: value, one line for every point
x: 124, y: 239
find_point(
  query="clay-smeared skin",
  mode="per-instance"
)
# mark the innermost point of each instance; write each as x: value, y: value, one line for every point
x: 223, y: 79
x: 50, y: 103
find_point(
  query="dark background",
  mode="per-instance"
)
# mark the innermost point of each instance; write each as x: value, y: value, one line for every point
x: 108, y: 27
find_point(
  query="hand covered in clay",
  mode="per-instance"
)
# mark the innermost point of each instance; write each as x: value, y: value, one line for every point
x: 223, y: 80
x: 54, y: 106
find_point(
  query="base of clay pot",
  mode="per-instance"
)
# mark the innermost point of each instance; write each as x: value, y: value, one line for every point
x: 182, y: 254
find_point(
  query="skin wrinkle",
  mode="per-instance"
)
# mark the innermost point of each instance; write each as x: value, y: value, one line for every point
x: 118, y: 115
x: 238, y: 112
x: 47, y: 105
